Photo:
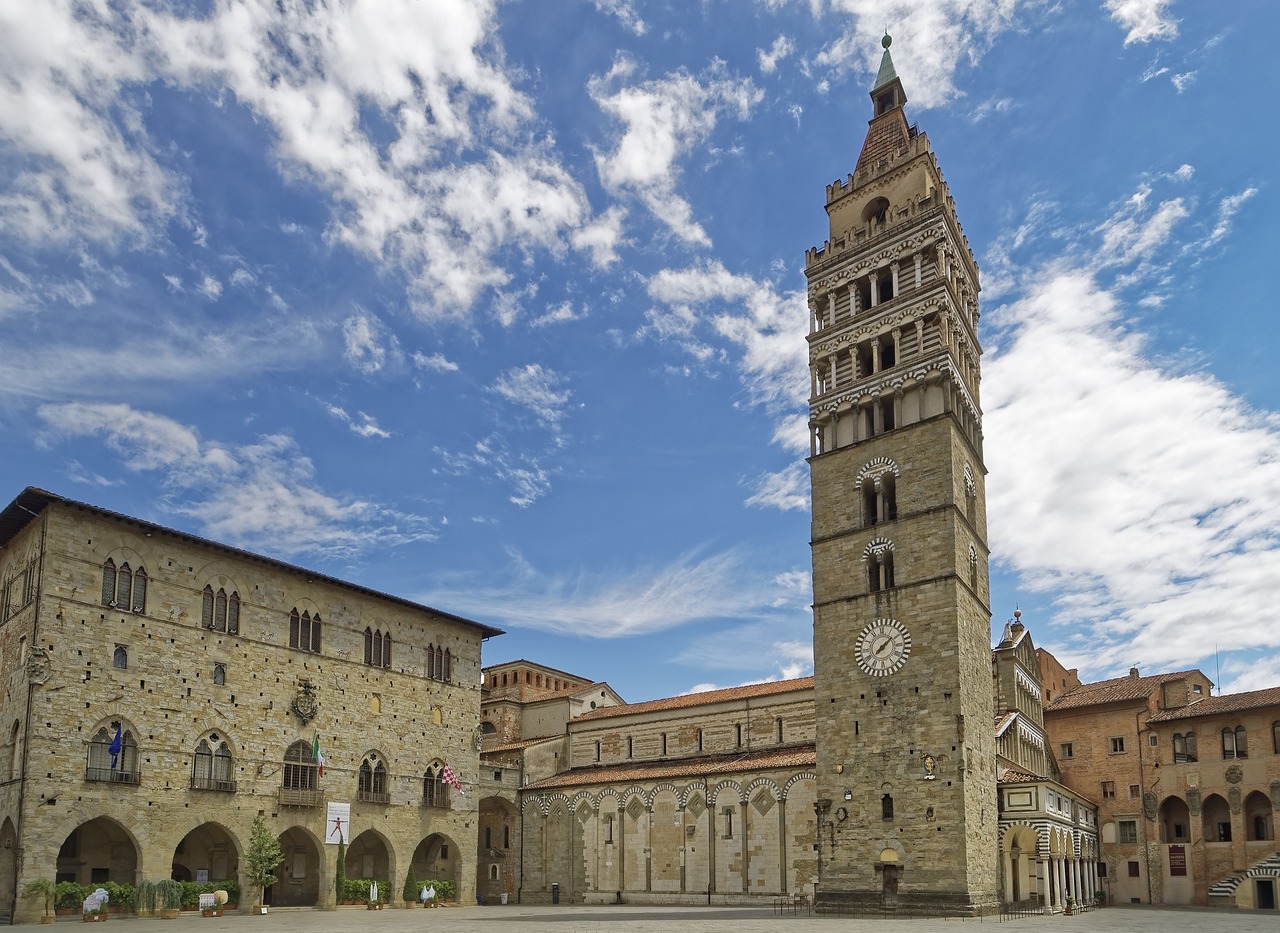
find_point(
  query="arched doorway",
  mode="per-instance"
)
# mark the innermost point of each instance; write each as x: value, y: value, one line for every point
x: 369, y: 859
x: 436, y: 859
x: 8, y: 863
x: 207, y: 853
x: 1257, y: 818
x: 1215, y: 818
x: 98, y: 851
x: 298, y: 883
x: 1020, y: 865
x: 495, y: 869
x: 1175, y: 821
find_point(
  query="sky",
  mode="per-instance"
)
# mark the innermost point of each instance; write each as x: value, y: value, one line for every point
x: 500, y: 306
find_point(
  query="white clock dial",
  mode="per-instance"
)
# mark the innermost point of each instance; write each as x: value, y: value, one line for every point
x: 883, y: 647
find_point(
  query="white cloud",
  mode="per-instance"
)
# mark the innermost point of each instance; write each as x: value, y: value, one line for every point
x: 361, y: 425
x: 562, y: 313
x: 210, y: 287
x: 931, y: 38
x: 781, y: 48
x: 436, y: 362
x: 1151, y: 544
x: 1227, y: 209
x: 662, y: 121
x: 787, y: 489
x: 368, y: 345
x: 604, y: 604
x: 1183, y: 81
x: 536, y: 389
x: 1145, y: 20
x: 73, y: 80
x: 626, y: 13
x: 528, y: 480
x: 262, y: 495
x: 85, y: 168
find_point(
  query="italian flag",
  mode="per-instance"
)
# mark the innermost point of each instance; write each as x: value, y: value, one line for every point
x: 318, y: 755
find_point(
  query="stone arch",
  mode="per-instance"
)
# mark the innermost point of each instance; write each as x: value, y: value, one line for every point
x: 692, y: 788
x: 1215, y: 819
x: 713, y: 796
x: 796, y: 779
x: 1174, y: 817
x: 93, y: 847
x: 438, y: 857
x: 8, y: 862
x: 664, y: 786
x: 764, y: 782
x: 300, y: 874
x: 1258, y: 818
x: 371, y: 856
x: 209, y: 846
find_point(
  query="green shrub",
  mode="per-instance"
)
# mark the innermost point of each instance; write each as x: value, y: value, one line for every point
x: 68, y: 894
x: 445, y: 890
x: 119, y: 896
x: 358, y: 889
x: 411, y: 889
x: 169, y: 894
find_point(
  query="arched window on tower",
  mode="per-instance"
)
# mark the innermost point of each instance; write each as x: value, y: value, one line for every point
x: 372, y: 786
x: 112, y: 760
x: 304, y: 631
x: 1184, y: 747
x: 886, y: 807
x: 880, y: 569
x: 298, y: 783
x: 211, y: 766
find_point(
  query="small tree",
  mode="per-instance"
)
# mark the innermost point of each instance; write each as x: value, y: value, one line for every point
x: 410, y: 891
x: 340, y: 873
x: 263, y: 857
x: 42, y: 888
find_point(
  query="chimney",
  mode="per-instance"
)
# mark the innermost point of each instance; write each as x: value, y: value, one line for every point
x: 1133, y: 672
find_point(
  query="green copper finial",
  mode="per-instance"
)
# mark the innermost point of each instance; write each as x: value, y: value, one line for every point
x: 887, y: 40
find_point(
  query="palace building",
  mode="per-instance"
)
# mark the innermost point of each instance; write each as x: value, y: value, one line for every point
x: 162, y: 690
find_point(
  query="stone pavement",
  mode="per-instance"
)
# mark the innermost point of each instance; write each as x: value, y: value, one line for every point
x: 634, y: 919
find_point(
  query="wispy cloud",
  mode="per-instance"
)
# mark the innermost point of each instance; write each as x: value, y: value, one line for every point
x: 781, y: 48
x: 369, y: 345
x: 436, y: 362
x: 662, y: 120
x: 1145, y: 20
x: 262, y: 495
x: 361, y: 425
x: 536, y: 388
x: 522, y: 472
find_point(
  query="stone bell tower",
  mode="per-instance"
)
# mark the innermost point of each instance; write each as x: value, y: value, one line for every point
x: 905, y: 745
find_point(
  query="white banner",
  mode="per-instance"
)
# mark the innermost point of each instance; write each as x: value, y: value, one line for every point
x: 337, y: 824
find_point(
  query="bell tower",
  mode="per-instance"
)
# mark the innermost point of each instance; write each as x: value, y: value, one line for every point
x: 902, y: 653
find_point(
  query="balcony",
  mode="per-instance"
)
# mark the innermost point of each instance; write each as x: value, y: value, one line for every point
x: 207, y: 783
x: 373, y: 796
x: 436, y: 796
x: 114, y: 775
x: 295, y: 797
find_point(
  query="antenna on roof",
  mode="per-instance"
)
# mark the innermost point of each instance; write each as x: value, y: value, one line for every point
x: 1217, y: 663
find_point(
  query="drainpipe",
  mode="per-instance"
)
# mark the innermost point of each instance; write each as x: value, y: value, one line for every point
x: 18, y: 855
x: 1142, y: 792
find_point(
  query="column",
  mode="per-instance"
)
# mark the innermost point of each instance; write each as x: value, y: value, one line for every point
x: 893, y: 270
x: 746, y: 850
x: 782, y: 843
x: 919, y: 271
x: 855, y: 299
x: 897, y: 406
x: 897, y: 346
x: 875, y: 356
x: 875, y: 298
x: 831, y: 307
x: 813, y: 380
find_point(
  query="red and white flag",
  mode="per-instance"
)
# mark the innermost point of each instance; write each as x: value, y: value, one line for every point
x: 447, y: 775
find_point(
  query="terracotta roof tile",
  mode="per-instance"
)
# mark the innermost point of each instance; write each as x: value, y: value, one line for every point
x: 517, y: 746
x: 1219, y: 705
x: 1014, y: 776
x: 702, y: 699
x: 797, y: 756
x: 1116, y: 690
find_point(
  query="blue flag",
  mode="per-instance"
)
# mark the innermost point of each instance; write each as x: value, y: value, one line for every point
x: 114, y: 748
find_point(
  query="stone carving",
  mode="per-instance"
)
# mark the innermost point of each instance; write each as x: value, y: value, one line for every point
x: 1235, y: 774
x: 39, y: 666
x: 305, y: 704
x: 1233, y: 797
x: 1193, y: 800
x: 1149, y: 805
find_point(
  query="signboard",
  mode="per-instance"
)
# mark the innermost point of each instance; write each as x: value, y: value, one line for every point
x: 1177, y: 860
x: 337, y: 824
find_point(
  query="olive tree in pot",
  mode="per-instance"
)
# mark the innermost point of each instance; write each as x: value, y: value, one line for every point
x: 262, y: 858
x: 42, y: 888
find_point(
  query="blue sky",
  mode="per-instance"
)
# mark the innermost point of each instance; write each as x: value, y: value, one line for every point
x: 501, y: 306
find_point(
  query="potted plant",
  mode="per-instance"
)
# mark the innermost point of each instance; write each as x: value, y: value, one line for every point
x: 1070, y: 905
x: 410, y: 891
x: 45, y: 889
x: 68, y: 898
x: 96, y: 914
x: 145, y: 898
x: 262, y: 858
x: 168, y: 898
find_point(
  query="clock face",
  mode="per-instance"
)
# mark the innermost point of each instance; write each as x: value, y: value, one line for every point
x: 883, y: 647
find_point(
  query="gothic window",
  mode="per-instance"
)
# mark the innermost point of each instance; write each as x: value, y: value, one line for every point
x: 1184, y: 747
x: 124, y: 588
x: 1235, y: 743
x: 440, y: 664
x: 304, y: 631
x: 120, y: 659
x: 299, y: 767
x: 220, y: 611
x: 372, y: 787
x: 211, y: 766
x: 435, y: 792
x: 493, y: 871
x: 377, y: 648
x: 112, y: 760
x: 506, y: 837
x: 886, y: 807
x: 220, y: 675
x: 880, y: 569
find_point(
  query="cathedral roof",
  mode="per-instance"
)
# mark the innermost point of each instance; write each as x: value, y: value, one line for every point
x: 1214, y: 706
x: 796, y: 756
x: 705, y: 698
x: 1116, y: 690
